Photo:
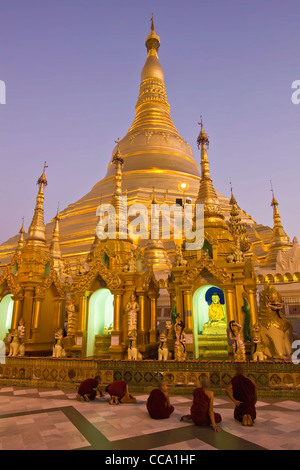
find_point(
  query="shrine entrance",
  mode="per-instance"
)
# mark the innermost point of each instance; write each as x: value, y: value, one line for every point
x: 100, y: 319
x: 210, y: 323
x: 6, y: 311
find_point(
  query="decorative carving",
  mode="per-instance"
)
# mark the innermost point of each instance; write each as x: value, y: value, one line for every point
x: 191, y: 273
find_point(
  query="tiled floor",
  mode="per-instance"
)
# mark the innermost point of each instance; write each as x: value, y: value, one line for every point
x: 53, y: 419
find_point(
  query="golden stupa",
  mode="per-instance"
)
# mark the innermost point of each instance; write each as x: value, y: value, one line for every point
x: 155, y: 156
x: 109, y: 290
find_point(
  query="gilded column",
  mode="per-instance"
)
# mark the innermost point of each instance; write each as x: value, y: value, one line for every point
x: 37, y: 306
x: 28, y: 310
x: 141, y: 318
x: 59, y: 312
x: 153, y: 319
x: 230, y: 303
x: 188, y: 325
x: 187, y: 310
x: 115, y: 346
x: 17, y: 311
x: 253, y: 306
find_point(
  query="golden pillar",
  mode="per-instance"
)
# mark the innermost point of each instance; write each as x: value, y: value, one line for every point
x: 153, y: 318
x: 27, y: 311
x: 59, y: 312
x: 253, y: 306
x: 37, y: 306
x: 187, y: 308
x: 17, y: 311
x: 230, y: 303
x: 188, y: 321
x: 141, y: 318
x: 115, y: 346
x: 82, y: 312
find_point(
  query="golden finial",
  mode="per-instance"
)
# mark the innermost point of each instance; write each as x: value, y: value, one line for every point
x: 232, y: 199
x: 202, y: 137
x: 22, y: 228
x: 42, y: 178
x: 274, y: 202
x: 153, y: 40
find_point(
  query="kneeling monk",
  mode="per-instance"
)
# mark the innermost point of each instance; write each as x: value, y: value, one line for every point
x: 119, y: 393
x: 158, y: 403
x: 243, y: 392
x: 202, y: 410
x: 88, y: 389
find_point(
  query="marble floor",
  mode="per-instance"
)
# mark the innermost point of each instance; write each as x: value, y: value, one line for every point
x: 41, y: 419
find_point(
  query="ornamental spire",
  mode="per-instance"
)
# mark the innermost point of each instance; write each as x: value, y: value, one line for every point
x: 236, y: 227
x: 55, y: 250
x: 279, y: 241
x: 21, y: 238
x: 36, y: 232
x: 207, y: 194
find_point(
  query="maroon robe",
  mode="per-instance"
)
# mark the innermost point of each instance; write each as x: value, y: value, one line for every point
x: 244, y: 391
x: 117, y: 388
x: 157, y: 405
x: 87, y: 388
x: 200, y: 409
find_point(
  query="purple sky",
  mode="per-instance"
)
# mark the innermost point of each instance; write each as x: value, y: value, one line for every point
x: 72, y: 71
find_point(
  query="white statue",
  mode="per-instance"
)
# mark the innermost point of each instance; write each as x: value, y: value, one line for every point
x: 21, y: 334
x: 257, y: 353
x: 58, y: 350
x: 132, y: 309
x: 163, y: 350
x: 133, y: 352
x: 13, y: 339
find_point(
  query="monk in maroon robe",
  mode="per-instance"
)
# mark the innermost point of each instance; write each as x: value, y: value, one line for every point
x: 88, y: 389
x: 158, y: 403
x: 243, y: 393
x: 119, y: 393
x: 202, y: 412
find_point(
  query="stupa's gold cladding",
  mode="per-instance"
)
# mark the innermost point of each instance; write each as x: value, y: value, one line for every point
x: 58, y: 272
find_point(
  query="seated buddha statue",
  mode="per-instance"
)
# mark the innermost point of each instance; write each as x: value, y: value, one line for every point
x: 216, y: 316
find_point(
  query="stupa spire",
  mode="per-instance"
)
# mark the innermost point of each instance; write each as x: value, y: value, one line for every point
x: 21, y: 237
x: 55, y: 250
x: 36, y: 232
x: 207, y: 194
x: 236, y: 227
x: 117, y: 201
x: 279, y: 241
x: 279, y: 238
x: 152, y: 108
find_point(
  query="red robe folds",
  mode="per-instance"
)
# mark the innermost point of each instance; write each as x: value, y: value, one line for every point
x: 87, y: 388
x: 157, y: 405
x: 117, y: 388
x: 200, y: 409
x: 244, y: 391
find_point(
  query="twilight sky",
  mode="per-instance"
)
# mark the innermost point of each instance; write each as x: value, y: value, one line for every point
x: 72, y: 72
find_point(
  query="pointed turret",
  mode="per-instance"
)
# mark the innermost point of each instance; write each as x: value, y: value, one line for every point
x: 117, y: 199
x: 207, y: 195
x: 36, y: 232
x: 279, y: 241
x: 236, y: 227
x: 21, y: 237
x: 55, y: 250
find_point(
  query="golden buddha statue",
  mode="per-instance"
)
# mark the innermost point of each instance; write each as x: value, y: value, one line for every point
x: 216, y: 317
x: 216, y: 310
